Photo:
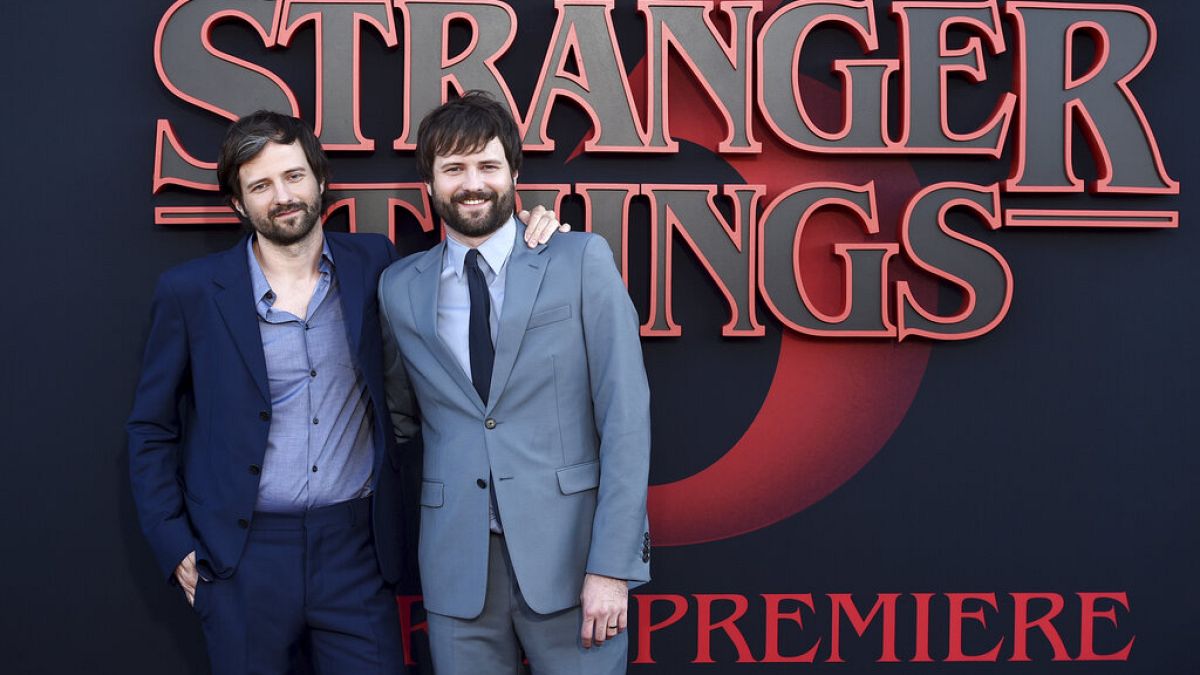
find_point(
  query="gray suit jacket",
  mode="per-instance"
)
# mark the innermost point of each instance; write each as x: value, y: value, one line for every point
x: 565, y: 433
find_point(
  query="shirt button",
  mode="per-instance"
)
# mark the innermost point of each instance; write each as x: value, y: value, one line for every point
x: 312, y: 373
x: 481, y: 483
x: 314, y: 468
x: 255, y: 469
x: 264, y: 415
x: 316, y: 421
x: 489, y: 423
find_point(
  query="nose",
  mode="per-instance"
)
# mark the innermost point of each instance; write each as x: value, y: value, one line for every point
x: 473, y: 180
x: 281, y: 194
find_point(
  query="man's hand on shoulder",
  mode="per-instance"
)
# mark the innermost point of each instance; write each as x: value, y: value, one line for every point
x: 605, y: 603
x: 540, y: 224
x: 187, y: 576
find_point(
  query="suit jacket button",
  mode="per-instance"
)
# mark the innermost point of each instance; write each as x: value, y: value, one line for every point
x: 645, y: 556
x: 255, y: 469
x: 264, y: 415
x: 243, y: 523
x: 481, y: 483
x: 489, y: 423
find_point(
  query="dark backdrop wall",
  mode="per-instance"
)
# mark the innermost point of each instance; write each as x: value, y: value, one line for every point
x: 1053, y: 454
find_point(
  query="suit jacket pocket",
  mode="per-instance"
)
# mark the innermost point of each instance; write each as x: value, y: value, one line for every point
x: 199, y: 599
x: 579, y: 477
x: 432, y: 493
x: 549, y: 316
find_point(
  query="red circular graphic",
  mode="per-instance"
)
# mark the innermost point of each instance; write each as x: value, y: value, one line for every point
x: 832, y: 403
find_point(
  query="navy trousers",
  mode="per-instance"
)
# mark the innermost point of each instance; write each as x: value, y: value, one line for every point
x: 310, y: 578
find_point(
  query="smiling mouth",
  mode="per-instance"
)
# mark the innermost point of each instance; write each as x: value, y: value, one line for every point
x: 472, y: 200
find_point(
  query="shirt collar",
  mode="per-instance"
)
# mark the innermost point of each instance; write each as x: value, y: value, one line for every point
x: 258, y: 280
x: 495, y: 250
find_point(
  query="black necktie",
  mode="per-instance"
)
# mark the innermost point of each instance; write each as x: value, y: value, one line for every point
x: 479, y: 331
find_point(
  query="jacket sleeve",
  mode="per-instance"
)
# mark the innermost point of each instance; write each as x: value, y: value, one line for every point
x: 621, y: 405
x: 155, y: 433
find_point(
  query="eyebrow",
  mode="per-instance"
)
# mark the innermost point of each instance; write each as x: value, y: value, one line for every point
x: 294, y: 169
x: 443, y: 163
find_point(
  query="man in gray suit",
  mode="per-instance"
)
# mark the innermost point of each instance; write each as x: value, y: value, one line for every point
x: 534, y: 409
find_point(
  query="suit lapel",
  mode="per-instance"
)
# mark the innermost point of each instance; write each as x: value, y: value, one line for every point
x: 348, y: 268
x: 423, y: 293
x: 526, y: 268
x: 235, y: 301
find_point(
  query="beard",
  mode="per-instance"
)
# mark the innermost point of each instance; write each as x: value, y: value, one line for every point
x: 293, y: 228
x: 481, y: 224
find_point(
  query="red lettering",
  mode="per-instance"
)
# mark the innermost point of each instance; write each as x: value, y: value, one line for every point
x: 775, y: 616
x: 705, y: 626
x: 921, y: 655
x: 645, y: 603
x: 958, y: 615
x: 1022, y: 625
x: 1087, y: 626
x: 843, y: 602
x: 405, y: 603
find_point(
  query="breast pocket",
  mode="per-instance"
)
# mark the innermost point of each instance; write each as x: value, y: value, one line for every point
x: 549, y: 316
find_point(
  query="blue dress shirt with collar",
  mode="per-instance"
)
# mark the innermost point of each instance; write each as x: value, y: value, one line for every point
x: 454, y: 300
x: 319, y: 447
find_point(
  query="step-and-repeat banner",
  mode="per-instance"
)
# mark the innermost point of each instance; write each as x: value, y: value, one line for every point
x: 915, y: 278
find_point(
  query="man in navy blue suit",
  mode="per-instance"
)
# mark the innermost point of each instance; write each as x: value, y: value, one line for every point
x: 261, y: 455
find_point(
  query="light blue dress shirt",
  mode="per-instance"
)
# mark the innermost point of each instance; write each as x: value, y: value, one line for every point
x: 320, y: 448
x: 454, y: 299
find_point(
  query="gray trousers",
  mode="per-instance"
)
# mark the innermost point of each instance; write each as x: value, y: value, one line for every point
x: 493, y: 641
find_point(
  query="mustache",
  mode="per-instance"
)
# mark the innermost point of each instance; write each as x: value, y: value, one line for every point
x: 290, y: 206
x: 474, y: 194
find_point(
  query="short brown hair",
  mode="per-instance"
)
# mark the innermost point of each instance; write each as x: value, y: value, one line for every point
x: 466, y: 125
x: 250, y: 134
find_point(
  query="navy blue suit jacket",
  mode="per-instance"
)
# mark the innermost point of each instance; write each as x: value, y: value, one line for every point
x: 198, y: 429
